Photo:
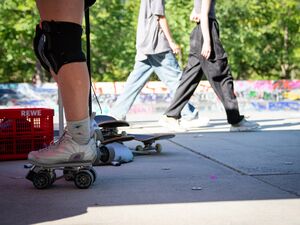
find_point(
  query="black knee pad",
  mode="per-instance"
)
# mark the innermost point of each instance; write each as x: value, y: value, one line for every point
x: 58, y: 43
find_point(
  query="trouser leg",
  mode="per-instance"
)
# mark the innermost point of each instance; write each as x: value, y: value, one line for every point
x: 219, y: 76
x: 189, y: 81
x: 218, y: 73
x: 167, y: 69
x: 134, y: 84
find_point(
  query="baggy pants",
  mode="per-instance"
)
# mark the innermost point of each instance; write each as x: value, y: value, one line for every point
x: 166, y: 67
x: 215, y: 68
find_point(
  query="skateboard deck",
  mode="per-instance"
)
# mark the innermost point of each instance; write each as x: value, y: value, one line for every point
x: 103, y: 118
x: 148, y: 140
x: 109, y: 126
x: 117, y: 139
x: 113, y: 124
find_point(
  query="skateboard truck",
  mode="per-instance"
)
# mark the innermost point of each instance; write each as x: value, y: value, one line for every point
x: 149, y: 146
x: 148, y: 141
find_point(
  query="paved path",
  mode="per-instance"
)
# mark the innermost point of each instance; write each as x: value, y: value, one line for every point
x: 206, y: 176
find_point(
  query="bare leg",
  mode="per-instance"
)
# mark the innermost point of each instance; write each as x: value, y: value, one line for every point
x: 72, y: 79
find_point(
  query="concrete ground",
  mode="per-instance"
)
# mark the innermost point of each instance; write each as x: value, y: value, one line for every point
x: 205, y: 176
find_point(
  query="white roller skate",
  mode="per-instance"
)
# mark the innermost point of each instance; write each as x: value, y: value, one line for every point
x: 75, y: 160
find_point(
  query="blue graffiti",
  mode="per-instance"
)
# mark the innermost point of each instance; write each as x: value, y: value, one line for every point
x: 277, y: 106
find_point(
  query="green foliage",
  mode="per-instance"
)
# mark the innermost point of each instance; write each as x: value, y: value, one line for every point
x: 17, y: 61
x: 180, y: 25
x: 113, y: 39
x: 261, y: 37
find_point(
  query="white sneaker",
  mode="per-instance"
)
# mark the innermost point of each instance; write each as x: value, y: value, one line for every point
x: 65, y: 150
x: 244, y: 125
x: 195, y: 123
x: 171, y: 123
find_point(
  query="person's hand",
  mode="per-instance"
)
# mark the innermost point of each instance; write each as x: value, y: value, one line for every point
x: 206, y: 50
x: 175, y: 47
x: 195, y: 17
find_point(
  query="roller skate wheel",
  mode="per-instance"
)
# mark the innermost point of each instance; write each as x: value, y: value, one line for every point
x: 158, y: 148
x: 84, y: 179
x: 42, y: 180
x: 139, y: 148
x: 93, y: 171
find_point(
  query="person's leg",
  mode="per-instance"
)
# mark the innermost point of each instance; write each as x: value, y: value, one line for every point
x: 72, y: 79
x: 220, y: 79
x: 168, y: 71
x: 190, y: 79
x: 219, y: 75
x: 133, y: 86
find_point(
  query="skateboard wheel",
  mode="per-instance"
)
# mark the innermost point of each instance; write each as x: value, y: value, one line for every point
x: 93, y: 171
x: 104, y: 154
x: 124, y: 133
x: 84, y: 179
x: 139, y: 148
x: 158, y: 148
x: 42, y: 180
x: 68, y: 174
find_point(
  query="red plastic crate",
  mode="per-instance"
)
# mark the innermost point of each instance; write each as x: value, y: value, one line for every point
x: 23, y: 130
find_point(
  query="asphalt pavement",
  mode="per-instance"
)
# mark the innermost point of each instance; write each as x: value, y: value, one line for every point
x: 207, y: 176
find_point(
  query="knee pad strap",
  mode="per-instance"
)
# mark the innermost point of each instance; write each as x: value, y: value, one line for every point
x: 88, y: 3
x: 57, y: 44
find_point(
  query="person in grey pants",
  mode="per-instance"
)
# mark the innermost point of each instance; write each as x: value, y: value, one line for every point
x: 207, y: 57
x: 155, y: 54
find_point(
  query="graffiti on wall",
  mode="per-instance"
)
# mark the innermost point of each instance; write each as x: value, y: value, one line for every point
x: 155, y: 97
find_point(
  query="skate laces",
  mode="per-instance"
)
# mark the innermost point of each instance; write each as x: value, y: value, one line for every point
x: 53, y: 144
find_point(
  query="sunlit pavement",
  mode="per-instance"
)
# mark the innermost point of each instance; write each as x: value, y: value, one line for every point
x: 206, y: 176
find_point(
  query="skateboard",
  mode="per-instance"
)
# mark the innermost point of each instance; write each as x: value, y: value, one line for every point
x: 103, y: 118
x: 109, y: 126
x: 43, y: 176
x: 148, y: 141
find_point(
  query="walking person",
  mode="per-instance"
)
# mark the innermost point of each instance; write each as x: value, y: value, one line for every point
x: 155, y: 49
x: 207, y: 57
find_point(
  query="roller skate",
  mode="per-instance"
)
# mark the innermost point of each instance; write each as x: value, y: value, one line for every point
x: 66, y: 155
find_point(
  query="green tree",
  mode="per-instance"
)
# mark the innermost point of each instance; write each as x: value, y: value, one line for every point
x: 261, y: 37
x: 17, y: 61
x: 178, y: 14
x: 113, y: 39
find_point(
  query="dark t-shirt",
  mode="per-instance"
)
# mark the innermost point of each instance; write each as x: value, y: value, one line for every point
x: 197, y: 8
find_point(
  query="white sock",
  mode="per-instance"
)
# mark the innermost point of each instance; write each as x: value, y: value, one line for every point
x: 80, y: 130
